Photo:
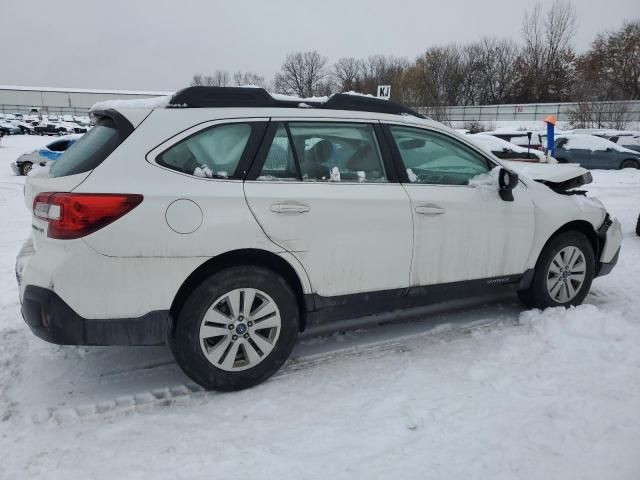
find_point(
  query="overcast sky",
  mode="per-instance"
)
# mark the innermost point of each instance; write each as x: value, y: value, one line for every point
x: 159, y: 44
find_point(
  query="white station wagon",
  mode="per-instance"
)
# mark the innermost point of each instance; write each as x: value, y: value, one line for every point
x: 225, y: 221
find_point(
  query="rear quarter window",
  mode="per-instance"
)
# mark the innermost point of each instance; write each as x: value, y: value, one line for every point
x: 90, y: 150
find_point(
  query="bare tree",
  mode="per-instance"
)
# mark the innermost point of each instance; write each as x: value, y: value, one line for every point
x: 594, y: 114
x: 384, y: 70
x: 219, y: 79
x: 301, y: 74
x: 248, y: 78
x: 547, y: 61
x: 348, y: 74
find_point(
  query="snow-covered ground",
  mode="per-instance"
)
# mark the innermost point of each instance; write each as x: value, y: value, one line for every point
x: 487, y: 391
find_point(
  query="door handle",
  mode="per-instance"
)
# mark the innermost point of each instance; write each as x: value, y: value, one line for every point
x: 289, y: 208
x: 429, y: 210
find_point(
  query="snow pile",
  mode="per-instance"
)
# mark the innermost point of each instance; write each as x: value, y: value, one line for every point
x: 487, y: 182
x: 143, y: 103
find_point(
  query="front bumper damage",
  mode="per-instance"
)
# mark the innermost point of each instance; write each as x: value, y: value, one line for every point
x: 609, y: 242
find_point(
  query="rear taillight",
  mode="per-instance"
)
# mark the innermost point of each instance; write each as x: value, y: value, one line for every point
x: 74, y: 215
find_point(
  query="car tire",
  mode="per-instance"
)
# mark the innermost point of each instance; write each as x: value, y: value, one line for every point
x: 555, y: 285
x: 226, y: 351
x: 25, y: 168
x: 629, y: 163
x: 638, y: 226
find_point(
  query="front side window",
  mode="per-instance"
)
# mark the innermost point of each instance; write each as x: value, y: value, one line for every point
x: 435, y: 159
x: 211, y: 153
x: 325, y: 152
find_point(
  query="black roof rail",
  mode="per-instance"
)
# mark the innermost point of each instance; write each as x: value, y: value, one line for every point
x: 221, y: 97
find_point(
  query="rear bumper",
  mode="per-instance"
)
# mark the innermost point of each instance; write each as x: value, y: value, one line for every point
x: 51, y: 319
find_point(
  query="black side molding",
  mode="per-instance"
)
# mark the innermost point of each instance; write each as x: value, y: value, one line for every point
x: 329, y: 309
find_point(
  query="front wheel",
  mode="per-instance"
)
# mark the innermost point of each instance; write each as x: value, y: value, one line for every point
x: 236, y: 329
x: 563, y: 274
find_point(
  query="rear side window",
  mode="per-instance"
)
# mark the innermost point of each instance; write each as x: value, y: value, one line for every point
x: 89, y: 151
x: 211, y: 153
x: 324, y: 152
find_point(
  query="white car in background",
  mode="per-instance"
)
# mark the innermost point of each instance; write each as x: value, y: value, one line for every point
x: 509, y: 151
x: 227, y: 226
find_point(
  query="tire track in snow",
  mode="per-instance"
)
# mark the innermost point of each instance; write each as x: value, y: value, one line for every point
x: 186, y: 393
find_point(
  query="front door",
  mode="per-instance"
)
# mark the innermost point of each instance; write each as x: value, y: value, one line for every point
x: 323, y: 191
x: 463, y: 229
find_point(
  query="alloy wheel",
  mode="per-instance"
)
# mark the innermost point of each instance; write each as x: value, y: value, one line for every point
x: 240, y: 329
x: 566, y: 275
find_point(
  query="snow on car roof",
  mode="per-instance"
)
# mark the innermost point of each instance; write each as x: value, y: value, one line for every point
x: 577, y: 141
x: 142, y: 103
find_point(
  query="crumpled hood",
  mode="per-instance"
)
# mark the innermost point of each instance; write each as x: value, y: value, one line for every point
x: 559, y: 177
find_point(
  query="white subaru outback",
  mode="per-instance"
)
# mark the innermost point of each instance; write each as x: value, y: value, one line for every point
x: 225, y: 221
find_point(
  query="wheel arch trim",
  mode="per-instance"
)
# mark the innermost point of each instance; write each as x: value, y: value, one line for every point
x: 282, y: 263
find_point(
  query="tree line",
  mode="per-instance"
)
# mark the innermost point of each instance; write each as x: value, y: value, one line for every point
x: 541, y: 66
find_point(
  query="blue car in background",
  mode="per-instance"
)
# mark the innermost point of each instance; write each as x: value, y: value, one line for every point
x: 594, y: 152
x: 49, y: 152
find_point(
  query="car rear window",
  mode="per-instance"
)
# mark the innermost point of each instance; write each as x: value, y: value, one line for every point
x: 89, y: 151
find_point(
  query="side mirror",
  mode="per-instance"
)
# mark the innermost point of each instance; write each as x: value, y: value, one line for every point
x: 507, y: 180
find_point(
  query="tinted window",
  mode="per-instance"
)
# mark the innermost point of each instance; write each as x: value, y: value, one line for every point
x: 437, y: 159
x: 327, y: 152
x: 211, y: 153
x: 89, y: 151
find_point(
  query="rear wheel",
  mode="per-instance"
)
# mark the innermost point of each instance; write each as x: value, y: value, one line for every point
x: 563, y: 274
x: 630, y: 164
x: 236, y: 329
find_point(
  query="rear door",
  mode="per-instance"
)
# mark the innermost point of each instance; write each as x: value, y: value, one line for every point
x: 326, y: 191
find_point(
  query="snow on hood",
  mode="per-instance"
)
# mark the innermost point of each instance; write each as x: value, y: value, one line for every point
x: 545, y: 172
x: 141, y: 103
